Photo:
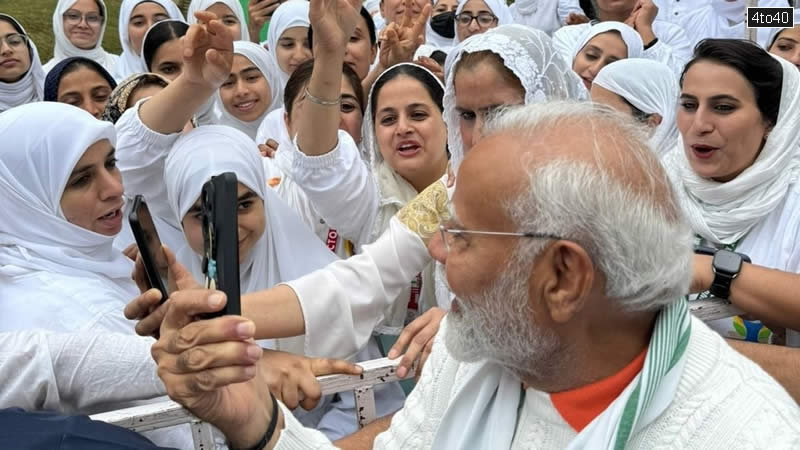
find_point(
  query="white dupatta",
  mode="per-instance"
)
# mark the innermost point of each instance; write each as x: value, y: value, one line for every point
x: 724, y: 213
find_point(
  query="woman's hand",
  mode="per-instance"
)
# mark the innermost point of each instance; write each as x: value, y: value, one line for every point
x: 207, y: 52
x: 432, y: 65
x: 702, y: 274
x: 268, y: 150
x: 333, y: 22
x: 259, y: 12
x: 418, y: 336
x: 147, y: 307
x: 399, y: 41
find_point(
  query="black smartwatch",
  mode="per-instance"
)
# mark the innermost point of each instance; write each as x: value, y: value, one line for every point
x: 726, y: 266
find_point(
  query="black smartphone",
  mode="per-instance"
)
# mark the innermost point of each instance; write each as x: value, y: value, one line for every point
x: 144, y: 231
x: 219, y: 201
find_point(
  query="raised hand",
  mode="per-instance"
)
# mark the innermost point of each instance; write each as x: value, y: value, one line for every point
x: 647, y: 12
x: 259, y: 12
x: 400, y: 41
x: 333, y: 22
x: 207, y: 52
x: 432, y: 65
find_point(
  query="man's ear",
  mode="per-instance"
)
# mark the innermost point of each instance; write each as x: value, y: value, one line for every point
x: 569, y: 275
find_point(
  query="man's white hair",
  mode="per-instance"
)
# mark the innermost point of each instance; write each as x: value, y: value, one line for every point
x: 620, y: 207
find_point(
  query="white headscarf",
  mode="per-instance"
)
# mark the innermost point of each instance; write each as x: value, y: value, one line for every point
x: 29, y: 88
x: 498, y: 7
x: 287, y: 250
x: 435, y: 39
x: 395, y: 192
x: 64, y: 49
x: 293, y: 13
x: 234, y: 5
x: 530, y: 55
x: 631, y: 38
x: 130, y: 63
x: 42, y: 143
x: 652, y: 87
x: 724, y: 213
x: 260, y: 58
x: 774, y: 32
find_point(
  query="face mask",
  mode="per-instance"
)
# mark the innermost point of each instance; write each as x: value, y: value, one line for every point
x: 444, y: 24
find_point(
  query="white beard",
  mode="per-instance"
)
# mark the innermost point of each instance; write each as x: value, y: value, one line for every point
x: 497, y: 325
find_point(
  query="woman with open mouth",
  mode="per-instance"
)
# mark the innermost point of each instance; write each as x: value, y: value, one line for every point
x: 21, y: 74
x: 736, y: 170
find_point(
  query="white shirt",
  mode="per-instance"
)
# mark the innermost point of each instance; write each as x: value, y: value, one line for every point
x: 545, y: 15
x: 723, y: 401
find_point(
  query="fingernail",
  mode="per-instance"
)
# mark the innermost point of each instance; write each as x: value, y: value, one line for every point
x: 401, y: 372
x: 215, y: 300
x: 392, y: 354
x: 246, y: 329
x: 250, y: 371
x: 254, y: 352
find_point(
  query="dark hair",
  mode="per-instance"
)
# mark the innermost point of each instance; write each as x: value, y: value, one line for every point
x: 370, y: 29
x: 302, y: 75
x: 638, y: 114
x: 439, y: 56
x: 159, y: 34
x: 759, y: 68
x: 67, y: 66
x: 429, y: 81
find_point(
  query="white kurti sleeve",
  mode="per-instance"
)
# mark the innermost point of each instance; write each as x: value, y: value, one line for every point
x: 341, y: 187
x: 344, y: 302
x: 141, y: 154
x: 71, y: 372
x: 566, y: 7
x: 673, y: 47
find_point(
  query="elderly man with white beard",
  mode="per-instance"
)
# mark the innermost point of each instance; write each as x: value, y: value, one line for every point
x: 569, y: 259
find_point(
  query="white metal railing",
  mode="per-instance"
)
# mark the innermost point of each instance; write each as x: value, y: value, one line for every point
x: 167, y: 414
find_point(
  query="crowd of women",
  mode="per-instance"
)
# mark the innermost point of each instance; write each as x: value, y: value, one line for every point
x: 346, y: 148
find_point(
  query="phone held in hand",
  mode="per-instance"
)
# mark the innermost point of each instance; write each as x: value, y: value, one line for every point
x: 144, y: 231
x: 220, y: 240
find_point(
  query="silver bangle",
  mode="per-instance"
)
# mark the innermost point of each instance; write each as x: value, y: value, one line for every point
x: 322, y: 102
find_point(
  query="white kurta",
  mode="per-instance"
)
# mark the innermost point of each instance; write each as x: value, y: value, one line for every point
x: 273, y: 127
x: 545, y: 15
x: 723, y: 401
x: 673, y: 47
x: 141, y: 154
x: 708, y: 22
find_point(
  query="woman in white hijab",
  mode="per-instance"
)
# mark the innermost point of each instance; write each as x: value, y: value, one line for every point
x: 62, y: 206
x: 785, y: 42
x: 288, y: 52
x: 132, y: 30
x: 737, y: 175
x: 245, y: 99
x: 278, y: 247
x: 601, y: 45
x: 470, y: 18
x: 229, y: 11
x: 545, y: 15
x: 71, y: 14
x: 662, y: 41
x: 725, y: 19
x: 21, y: 74
x: 646, y: 89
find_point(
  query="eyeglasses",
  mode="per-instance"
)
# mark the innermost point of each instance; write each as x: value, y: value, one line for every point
x: 451, y: 236
x: 484, y: 19
x: 74, y: 18
x: 14, y: 40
